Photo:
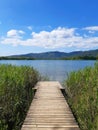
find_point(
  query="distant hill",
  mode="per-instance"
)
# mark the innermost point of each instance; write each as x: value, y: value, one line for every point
x: 44, y: 55
x: 58, y: 55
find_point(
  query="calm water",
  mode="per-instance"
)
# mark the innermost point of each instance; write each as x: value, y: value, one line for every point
x: 54, y: 69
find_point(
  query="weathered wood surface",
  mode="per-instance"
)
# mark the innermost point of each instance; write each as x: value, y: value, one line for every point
x: 49, y: 110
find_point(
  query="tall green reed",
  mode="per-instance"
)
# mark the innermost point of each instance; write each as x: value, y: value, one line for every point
x: 15, y: 94
x: 82, y: 94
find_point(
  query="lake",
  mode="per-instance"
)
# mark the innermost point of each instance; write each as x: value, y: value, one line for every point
x: 53, y: 69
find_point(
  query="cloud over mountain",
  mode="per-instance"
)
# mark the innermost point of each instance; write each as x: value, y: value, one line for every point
x: 56, y: 38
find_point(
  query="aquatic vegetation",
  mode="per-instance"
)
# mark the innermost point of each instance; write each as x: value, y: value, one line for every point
x: 16, y: 94
x: 82, y: 94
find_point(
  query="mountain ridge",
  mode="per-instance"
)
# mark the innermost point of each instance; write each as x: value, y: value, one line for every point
x: 58, y: 54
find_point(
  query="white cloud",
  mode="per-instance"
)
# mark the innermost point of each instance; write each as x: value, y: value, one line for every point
x: 92, y: 32
x: 29, y: 27
x: 15, y: 33
x: 91, y: 28
x: 57, y: 38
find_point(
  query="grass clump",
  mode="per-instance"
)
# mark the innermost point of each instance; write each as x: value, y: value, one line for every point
x: 15, y: 94
x: 82, y: 94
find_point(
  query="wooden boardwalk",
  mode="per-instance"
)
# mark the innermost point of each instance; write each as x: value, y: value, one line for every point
x: 49, y: 110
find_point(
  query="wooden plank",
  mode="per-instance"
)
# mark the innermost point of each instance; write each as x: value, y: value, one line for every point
x: 49, y: 109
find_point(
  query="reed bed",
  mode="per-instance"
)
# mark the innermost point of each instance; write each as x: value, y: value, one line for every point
x: 15, y: 94
x: 82, y: 94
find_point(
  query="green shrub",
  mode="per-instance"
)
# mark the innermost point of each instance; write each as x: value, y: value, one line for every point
x: 15, y: 94
x: 82, y: 94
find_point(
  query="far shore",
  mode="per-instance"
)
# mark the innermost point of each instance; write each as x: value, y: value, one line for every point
x: 64, y: 58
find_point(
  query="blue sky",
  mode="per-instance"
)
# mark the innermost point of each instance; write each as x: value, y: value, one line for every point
x: 48, y: 25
